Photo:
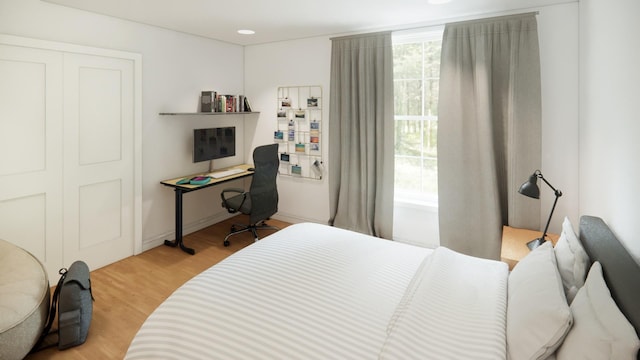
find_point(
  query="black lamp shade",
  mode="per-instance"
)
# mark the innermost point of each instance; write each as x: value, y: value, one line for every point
x: 530, y: 188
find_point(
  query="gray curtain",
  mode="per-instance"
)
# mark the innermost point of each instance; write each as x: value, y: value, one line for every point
x: 489, y: 116
x: 361, y: 152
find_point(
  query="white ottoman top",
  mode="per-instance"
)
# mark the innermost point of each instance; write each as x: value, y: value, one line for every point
x: 23, y: 283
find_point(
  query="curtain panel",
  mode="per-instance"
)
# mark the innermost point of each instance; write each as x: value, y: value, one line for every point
x: 489, y: 131
x: 361, y: 151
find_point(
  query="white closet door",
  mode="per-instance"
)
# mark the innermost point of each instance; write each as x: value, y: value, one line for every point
x: 31, y: 152
x: 98, y: 159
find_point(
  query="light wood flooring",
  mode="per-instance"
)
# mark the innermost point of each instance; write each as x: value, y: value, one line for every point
x: 127, y: 291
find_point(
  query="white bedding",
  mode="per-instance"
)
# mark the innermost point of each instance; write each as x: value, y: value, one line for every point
x: 455, y: 309
x: 317, y: 292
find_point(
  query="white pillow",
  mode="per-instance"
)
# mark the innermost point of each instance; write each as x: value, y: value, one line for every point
x: 601, y: 331
x: 573, y: 261
x: 538, y: 316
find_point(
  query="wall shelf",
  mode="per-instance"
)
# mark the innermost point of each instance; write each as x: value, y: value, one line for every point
x: 210, y: 113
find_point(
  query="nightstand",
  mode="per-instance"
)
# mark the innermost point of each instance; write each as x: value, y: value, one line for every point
x: 514, y: 243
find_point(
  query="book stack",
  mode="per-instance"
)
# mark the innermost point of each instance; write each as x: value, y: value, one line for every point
x: 211, y: 101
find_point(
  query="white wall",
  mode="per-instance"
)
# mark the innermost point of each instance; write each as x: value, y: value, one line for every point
x: 609, y: 120
x: 175, y: 68
x: 290, y: 63
x: 558, y: 33
x: 307, y: 62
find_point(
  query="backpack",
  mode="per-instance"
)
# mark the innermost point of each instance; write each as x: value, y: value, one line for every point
x: 73, y: 298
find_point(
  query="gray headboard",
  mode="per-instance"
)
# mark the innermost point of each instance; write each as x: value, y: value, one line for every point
x: 621, y: 271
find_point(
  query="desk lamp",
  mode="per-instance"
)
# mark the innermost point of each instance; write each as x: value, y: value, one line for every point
x: 530, y: 189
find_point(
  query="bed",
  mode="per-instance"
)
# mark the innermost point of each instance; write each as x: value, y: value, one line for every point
x: 312, y: 291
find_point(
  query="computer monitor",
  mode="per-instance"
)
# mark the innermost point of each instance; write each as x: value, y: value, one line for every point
x: 214, y: 143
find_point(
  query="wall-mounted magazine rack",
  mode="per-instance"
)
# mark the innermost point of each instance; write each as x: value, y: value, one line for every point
x: 298, y: 131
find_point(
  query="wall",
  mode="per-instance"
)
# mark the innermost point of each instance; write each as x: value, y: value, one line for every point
x: 558, y: 33
x: 175, y: 68
x: 290, y: 63
x: 307, y: 62
x: 609, y: 120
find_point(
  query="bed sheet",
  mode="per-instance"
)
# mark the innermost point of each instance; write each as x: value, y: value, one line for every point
x: 309, y: 291
x: 455, y: 308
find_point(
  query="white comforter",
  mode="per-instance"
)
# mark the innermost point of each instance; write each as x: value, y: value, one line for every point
x: 317, y: 292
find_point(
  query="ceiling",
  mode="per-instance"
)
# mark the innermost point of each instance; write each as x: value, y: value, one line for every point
x: 278, y: 20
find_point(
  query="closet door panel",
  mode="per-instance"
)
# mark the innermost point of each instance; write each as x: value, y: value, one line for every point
x: 100, y: 117
x: 25, y: 224
x: 99, y: 159
x: 31, y: 152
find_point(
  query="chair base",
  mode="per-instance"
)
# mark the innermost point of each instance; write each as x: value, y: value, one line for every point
x: 244, y: 227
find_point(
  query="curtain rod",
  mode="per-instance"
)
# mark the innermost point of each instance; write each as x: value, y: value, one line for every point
x: 435, y: 24
x: 360, y: 35
x: 534, y: 13
x: 468, y: 20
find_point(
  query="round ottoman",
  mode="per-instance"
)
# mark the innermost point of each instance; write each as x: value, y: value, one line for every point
x: 24, y: 301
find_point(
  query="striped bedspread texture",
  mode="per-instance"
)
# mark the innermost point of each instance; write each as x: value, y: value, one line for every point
x: 313, y: 291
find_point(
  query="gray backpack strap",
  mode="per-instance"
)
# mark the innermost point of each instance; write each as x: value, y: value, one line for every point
x: 52, y: 314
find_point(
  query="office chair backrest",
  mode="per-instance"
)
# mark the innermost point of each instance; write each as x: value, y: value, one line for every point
x: 263, y: 190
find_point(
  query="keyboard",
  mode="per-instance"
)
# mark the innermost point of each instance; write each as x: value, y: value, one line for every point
x: 225, y: 173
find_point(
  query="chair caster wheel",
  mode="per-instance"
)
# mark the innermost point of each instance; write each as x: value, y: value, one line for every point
x: 226, y: 243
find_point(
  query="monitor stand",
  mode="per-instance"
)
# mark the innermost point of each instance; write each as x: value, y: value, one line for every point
x: 210, y: 166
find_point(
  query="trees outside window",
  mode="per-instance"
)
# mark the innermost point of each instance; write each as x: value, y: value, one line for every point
x: 416, y: 72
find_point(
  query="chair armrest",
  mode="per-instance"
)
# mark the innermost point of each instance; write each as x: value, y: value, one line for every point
x: 231, y: 190
x: 225, y: 205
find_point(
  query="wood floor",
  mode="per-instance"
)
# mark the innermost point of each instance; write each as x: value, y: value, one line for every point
x: 128, y: 291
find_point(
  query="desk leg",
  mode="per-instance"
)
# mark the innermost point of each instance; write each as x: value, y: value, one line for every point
x: 178, y: 241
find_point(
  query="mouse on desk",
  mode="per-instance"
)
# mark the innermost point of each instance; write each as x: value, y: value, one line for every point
x: 251, y: 169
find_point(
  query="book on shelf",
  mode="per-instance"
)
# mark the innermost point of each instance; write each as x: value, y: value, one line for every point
x: 211, y: 101
x: 207, y: 99
x: 221, y: 103
x: 229, y: 103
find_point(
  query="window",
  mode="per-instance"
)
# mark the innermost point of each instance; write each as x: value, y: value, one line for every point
x: 416, y: 72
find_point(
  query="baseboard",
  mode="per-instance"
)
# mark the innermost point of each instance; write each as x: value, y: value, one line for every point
x: 158, y: 240
x: 294, y: 219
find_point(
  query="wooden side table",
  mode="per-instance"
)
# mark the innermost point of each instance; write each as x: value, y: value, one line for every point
x: 514, y: 243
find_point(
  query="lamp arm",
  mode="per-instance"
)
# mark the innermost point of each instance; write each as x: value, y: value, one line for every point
x: 557, y: 192
x: 544, y: 234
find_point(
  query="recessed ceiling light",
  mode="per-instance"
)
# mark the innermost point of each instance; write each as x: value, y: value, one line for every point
x: 246, y: 32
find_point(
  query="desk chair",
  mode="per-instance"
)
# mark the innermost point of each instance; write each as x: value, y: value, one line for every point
x: 261, y: 201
